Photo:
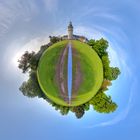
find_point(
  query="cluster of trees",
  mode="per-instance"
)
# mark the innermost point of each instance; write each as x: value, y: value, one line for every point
x: 29, y: 63
x: 103, y: 103
x: 55, y: 39
x: 78, y: 110
x: 110, y: 73
x: 24, y: 62
x: 100, y: 102
x: 31, y: 87
x: 29, y: 60
x: 100, y: 46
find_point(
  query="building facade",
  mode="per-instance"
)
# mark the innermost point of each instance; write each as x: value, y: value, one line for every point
x: 72, y: 36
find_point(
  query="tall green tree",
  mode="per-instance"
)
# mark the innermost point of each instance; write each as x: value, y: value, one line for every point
x: 79, y: 111
x: 103, y: 103
x: 54, y: 39
x: 34, y: 61
x: 31, y: 88
x: 110, y: 73
x: 91, y: 42
x: 114, y: 73
x: 100, y: 46
x: 24, y: 62
x: 64, y: 110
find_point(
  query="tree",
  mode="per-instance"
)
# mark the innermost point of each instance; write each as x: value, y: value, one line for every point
x: 43, y: 48
x: 79, y: 111
x: 91, y: 42
x: 110, y: 73
x: 31, y: 88
x: 24, y: 62
x: 33, y: 63
x: 114, y: 73
x: 100, y: 46
x: 86, y: 106
x: 103, y: 103
x: 106, y: 67
x: 64, y: 110
x: 28, y: 89
x: 54, y: 39
x: 105, y: 84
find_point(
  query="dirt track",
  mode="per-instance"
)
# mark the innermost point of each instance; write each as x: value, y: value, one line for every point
x: 62, y: 71
x: 60, y: 77
x: 77, y: 75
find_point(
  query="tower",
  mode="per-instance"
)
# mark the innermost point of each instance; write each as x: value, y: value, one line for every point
x: 70, y: 31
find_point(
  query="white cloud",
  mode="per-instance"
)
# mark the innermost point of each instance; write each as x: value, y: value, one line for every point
x: 15, y: 10
x: 15, y: 50
x: 101, y: 12
x: 12, y: 10
x: 51, y: 5
x: 88, y: 32
x: 32, y: 45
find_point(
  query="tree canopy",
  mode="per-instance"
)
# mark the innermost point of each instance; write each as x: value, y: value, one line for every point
x: 103, y: 103
x: 54, y: 39
x: 24, y: 62
x: 31, y: 87
x: 79, y: 111
x: 100, y: 46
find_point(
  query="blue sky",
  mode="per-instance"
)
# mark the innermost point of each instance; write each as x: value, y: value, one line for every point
x: 25, y: 25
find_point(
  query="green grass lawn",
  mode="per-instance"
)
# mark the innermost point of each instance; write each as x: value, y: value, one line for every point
x: 46, y: 72
x: 91, y: 67
x: 92, y: 70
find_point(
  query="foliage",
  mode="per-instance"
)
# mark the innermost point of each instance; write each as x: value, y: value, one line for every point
x: 106, y: 67
x: 24, y: 62
x: 79, y: 111
x: 31, y: 88
x: 64, y: 110
x: 105, y: 84
x: 110, y: 73
x: 114, y: 73
x: 103, y: 103
x: 86, y: 106
x: 100, y: 46
x: 91, y: 42
x: 29, y: 61
x: 34, y: 62
x: 54, y: 39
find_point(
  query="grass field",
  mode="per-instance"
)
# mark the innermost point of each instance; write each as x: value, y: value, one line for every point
x: 90, y: 67
x: 92, y: 71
